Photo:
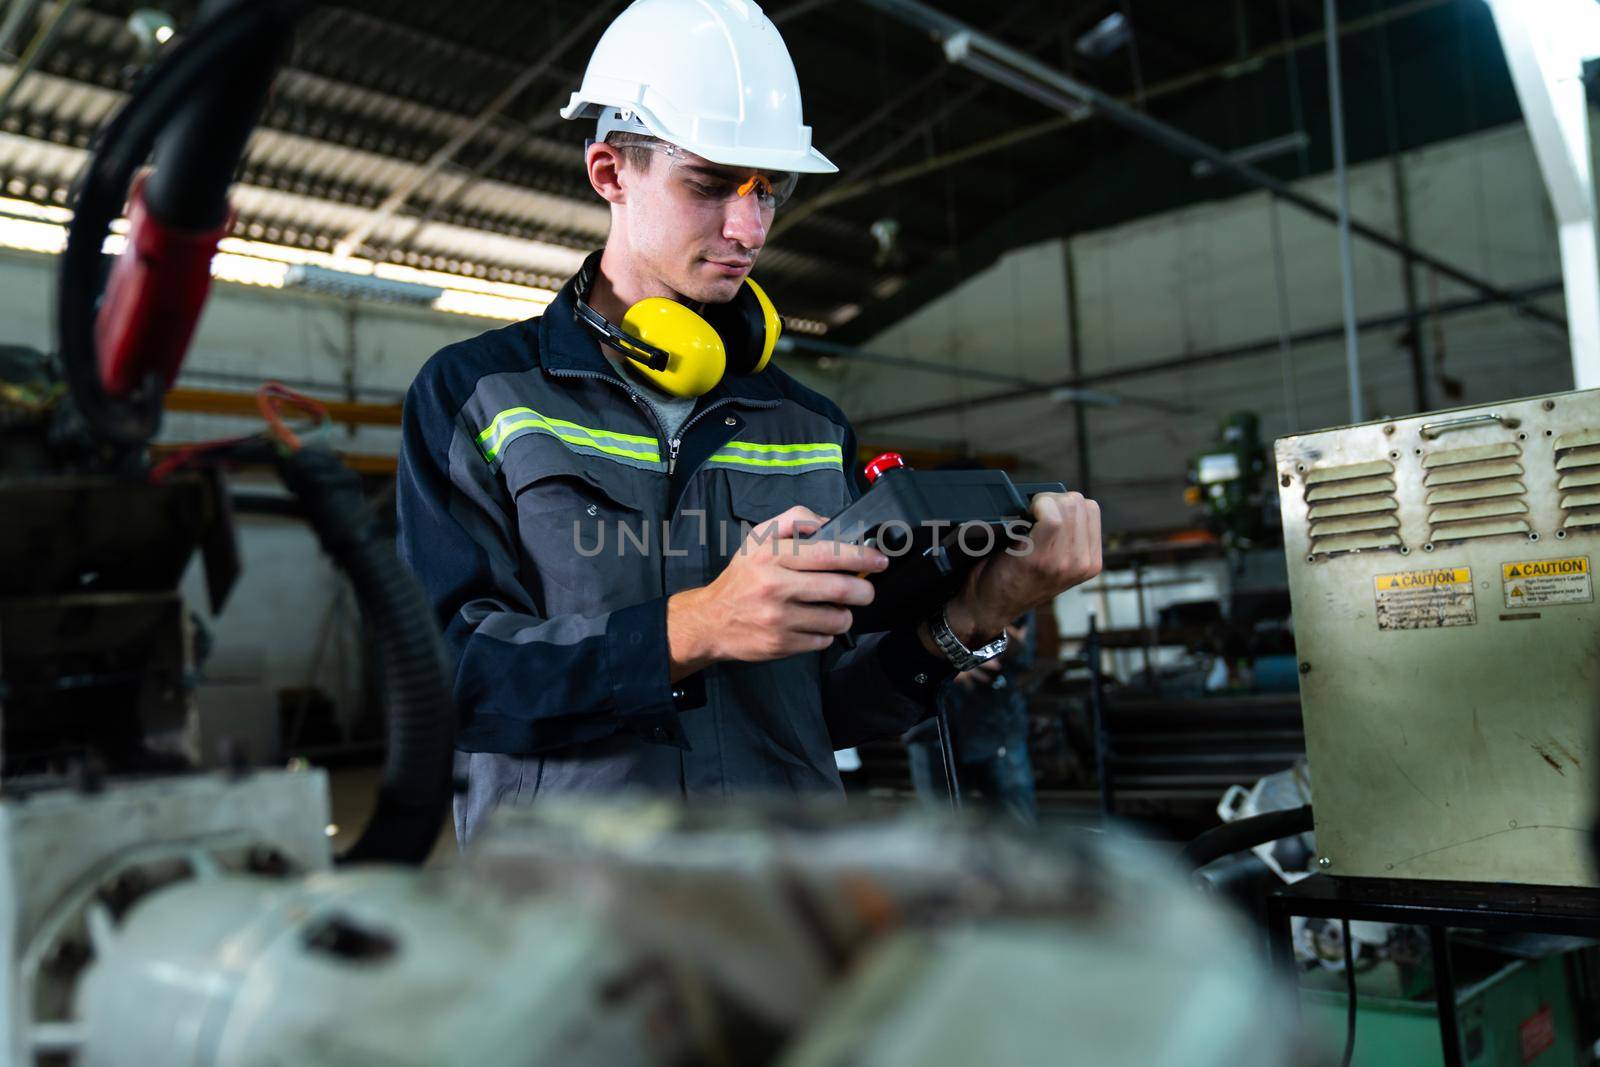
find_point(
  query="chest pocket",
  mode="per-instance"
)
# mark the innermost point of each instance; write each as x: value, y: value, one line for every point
x: 590, y: 539
x: 755, y: 498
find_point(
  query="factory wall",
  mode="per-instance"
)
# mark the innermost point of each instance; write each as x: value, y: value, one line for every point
x: 1203, y: 279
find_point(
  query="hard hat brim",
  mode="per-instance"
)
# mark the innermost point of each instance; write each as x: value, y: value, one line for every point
x: 808, y: 162
x: 798, y: 161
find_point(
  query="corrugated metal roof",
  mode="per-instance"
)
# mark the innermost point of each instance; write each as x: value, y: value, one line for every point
x: 374, y: 88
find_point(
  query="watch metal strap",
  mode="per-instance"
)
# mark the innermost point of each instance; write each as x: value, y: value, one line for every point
x: 960, y: 656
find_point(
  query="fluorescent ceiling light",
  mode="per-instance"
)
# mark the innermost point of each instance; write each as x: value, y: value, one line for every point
x: 1108, y: 35
x: 29, y: 227
x: 358, y: 285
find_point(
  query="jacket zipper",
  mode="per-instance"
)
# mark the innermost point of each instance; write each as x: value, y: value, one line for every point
x: 673, y: 445
x: 661, y: 431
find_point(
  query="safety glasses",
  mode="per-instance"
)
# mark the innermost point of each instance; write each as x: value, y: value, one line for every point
x: 717, y: 185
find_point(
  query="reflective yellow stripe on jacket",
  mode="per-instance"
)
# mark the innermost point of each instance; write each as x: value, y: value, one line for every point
x: 779, y: 459
x: 514, y: 422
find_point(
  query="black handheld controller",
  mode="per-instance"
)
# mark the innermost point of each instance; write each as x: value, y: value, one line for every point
x: 934, y: 526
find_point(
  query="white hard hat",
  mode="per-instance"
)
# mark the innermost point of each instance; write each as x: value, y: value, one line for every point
x: 711, y: 76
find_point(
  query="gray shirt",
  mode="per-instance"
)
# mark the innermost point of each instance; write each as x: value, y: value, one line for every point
x: 673, y: 411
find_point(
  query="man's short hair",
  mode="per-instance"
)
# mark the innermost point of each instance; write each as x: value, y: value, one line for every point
x: 632, y: 147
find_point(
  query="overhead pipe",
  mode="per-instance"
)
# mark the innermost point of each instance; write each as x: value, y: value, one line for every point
x: 791, y: 342
x: 992, y: 58
x: 1341, y: 179
x: 1196, y: 359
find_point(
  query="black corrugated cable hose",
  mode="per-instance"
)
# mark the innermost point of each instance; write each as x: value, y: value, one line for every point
x: 1233, y: 837
x: 196, y: 104
x: 413, y: 670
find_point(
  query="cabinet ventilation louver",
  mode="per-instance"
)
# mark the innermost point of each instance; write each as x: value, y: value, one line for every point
x: 1475, y: 492
x: 1352, y: 508
x: 1578, y: 478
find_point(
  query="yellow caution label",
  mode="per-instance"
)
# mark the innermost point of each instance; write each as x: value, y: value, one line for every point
x: 1538, y: 583
x: 1423, y: 579
x: 1425, y: 600
x: 1544, y: 568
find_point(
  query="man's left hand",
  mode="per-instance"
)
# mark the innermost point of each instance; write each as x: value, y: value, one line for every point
x: 1060, y: 550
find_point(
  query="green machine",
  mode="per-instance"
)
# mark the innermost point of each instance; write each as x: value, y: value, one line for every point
x: 1521, y: 1013
x: 1227, y: 482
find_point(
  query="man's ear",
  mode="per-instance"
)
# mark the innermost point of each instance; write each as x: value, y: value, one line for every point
x: 604, y: 163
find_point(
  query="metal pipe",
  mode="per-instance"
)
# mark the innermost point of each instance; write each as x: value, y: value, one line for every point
x: 791, y: 342
x: 1097, y: 716
x: 1147, y: 629
x: 1402, y: 221
x: 855, y: 189
x: 1341, y: 178
x: 861, y: 187
x: 1195, y: 359
x: 1444, y: 996
x: 1260, y: 152
x: 36, y: 50
x: 1080, y: 410
x: 978, y: 51
x: 947, y: 754
x: 1291, y: 393
x: 887, y: 147
x: 17, y: 15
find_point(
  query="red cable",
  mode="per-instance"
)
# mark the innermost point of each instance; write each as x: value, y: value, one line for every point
x: 269, y: 399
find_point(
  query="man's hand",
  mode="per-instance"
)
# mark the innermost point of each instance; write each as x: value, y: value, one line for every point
x: 778, y: 596
x: 1064, y: 552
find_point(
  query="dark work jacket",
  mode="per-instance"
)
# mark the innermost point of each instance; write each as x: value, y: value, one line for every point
x: 549, y: 521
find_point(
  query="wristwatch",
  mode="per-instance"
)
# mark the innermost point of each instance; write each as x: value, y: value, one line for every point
x: 960, y: 656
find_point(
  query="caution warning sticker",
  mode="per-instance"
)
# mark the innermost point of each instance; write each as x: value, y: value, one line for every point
x: 1536, y: 583
x: 1423, y: 600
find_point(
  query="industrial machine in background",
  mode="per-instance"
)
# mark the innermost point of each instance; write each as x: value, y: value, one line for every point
x: 1230, y: 484
x: 1441, y: 568
x: 1441, y: 573
x: 95, y: 643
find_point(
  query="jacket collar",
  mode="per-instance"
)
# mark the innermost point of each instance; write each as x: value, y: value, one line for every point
x: 567, y: 349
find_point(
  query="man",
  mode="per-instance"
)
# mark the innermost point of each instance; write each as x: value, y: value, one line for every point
x: 538, y: 462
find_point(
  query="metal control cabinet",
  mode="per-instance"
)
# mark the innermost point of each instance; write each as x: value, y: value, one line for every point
x: 1441, y: 569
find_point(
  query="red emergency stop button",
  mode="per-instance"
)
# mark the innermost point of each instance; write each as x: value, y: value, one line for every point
x: 886, y: 462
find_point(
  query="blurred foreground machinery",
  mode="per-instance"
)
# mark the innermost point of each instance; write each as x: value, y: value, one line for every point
x: 197, y: 920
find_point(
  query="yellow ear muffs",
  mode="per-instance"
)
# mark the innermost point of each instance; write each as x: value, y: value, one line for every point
x: 684, y: 353
x: 749, y: 327
x: 696, y: 356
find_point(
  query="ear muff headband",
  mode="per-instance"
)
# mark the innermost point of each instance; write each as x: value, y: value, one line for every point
x: 771, y: 325
x: 685, y: 353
